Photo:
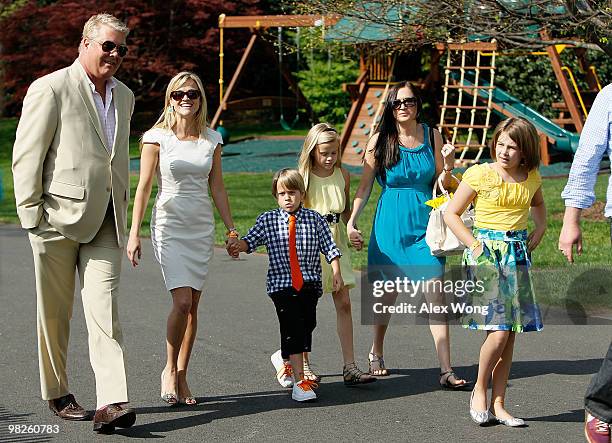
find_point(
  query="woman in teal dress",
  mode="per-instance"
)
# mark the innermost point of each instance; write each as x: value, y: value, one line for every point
x: 400, y: 157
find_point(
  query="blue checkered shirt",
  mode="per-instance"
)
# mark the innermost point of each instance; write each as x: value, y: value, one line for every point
x: 595, y: 142
x: 312, y: 235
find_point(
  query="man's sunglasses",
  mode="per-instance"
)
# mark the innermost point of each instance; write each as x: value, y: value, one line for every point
x: 192, y: 94
x: 108, y: 46
x: 408, y: 102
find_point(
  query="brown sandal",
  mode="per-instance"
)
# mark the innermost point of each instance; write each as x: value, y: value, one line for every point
x: 446, y: 384
x: 354, y: 376
x: 377, y: 359
x: 309, y: 374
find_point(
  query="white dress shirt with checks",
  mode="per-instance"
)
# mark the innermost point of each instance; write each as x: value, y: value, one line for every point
x: 595, y: 142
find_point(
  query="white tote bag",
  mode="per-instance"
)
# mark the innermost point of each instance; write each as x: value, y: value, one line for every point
x: 438, y: 236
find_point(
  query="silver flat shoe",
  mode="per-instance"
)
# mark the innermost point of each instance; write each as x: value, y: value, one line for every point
x: 511, y: 422
x: 479, y: 417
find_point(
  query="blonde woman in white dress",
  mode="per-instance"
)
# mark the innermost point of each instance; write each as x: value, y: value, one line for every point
x: 185, y: 155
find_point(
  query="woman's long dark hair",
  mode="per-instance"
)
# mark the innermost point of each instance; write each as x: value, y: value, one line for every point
x: 386, y: 150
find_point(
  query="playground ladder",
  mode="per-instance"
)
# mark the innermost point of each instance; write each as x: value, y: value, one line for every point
x: 449, y: 126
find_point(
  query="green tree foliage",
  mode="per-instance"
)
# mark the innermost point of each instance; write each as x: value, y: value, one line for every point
x: 322, y: 83
x: 41, y: 36
x: 513, y: 23
x: 9, y: 7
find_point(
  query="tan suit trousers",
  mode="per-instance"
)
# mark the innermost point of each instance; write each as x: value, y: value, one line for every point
x: 99, y: 264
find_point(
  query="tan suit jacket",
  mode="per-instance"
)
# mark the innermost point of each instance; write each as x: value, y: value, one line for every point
x: 61, y: 166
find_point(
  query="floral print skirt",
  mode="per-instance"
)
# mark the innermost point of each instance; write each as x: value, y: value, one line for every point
x: 504, y: 299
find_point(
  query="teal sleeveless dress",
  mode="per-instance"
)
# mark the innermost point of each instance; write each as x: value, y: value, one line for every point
x: 397, y: 245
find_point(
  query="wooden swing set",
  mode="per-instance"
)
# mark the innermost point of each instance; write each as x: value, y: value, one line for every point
x: 257, y: 25
x: 469, y: 89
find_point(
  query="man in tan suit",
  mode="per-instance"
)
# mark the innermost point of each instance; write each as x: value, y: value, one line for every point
x: 71, y: 173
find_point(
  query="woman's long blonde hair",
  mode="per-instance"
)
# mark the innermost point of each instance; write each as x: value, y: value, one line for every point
x: 167, y: 119
x: 318, y: 134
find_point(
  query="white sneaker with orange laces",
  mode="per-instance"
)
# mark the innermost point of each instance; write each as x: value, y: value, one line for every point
x: 304, y: 391
x: 284, y: 371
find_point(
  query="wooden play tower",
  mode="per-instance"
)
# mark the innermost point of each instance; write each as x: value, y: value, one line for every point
x: 469, y: 97
x: 467, y: 80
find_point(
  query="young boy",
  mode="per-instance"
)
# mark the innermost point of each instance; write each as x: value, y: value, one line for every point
x: 294, y: 237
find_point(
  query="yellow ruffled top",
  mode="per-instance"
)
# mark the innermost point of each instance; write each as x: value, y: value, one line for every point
x: 500, y: 205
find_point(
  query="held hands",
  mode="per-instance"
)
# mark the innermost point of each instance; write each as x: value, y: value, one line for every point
x: 233, y: 247
x: 355, y: 237
x: 134, y: 250
x: 570, y: 236
x: 534, y: 238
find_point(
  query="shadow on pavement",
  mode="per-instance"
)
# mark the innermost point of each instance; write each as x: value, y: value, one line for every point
x: 573, y: 416
x: 401, y: 383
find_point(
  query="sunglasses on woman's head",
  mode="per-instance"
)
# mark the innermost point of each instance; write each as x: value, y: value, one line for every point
x: 192, y: 94
x: 108, y: 46
x: 408, y: 102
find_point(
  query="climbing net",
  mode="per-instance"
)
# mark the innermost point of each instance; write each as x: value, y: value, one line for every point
x: 470, y: 77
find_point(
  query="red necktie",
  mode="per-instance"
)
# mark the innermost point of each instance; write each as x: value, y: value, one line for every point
x: 296, y: 275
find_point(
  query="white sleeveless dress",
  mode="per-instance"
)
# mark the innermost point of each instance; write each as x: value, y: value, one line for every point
x: 182, y: 223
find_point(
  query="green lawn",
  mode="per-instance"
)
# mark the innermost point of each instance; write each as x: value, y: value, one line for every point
x: 269, y: 130
x: 7, y: 138
x: 250, y: 195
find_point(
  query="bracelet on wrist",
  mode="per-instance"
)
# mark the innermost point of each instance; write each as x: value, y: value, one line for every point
x: 475, y: 245
x: 232, y: 233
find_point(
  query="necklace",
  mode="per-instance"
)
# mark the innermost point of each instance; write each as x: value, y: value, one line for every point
x: 408, y: 141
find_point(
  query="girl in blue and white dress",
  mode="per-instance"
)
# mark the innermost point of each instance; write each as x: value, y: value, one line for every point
x: 504, y: 193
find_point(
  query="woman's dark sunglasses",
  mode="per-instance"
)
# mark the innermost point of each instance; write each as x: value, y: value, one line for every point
x: 108, y: 46
x: 192, y: 94
x: 408, y: 102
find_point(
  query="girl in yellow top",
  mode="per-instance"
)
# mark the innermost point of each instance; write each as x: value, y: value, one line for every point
x: 327, y: 192
x: 503, y: 193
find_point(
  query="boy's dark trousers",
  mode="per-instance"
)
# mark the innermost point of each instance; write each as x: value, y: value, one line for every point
x: 297, y: 316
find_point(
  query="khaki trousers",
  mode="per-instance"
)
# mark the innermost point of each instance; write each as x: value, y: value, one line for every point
x: 99, y: 264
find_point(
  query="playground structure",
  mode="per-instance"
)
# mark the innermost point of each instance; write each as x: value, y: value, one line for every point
x: 258, y: 24
x: 470, y: 94
x: 474, y: 76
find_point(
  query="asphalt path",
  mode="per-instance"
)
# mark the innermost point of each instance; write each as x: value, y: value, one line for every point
x: 231, y: 374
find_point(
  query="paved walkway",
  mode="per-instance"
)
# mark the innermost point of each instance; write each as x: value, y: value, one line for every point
x: 233, y: 378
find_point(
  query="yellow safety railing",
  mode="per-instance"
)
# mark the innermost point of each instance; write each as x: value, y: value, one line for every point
x: 575, y: 85
x: 594, y: 71
x: 514, y: 53
x: 221, y: 55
